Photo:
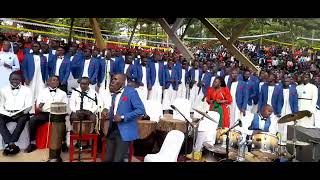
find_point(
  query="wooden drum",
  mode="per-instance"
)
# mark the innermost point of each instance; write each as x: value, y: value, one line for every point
x: 167, y: 125
x: 58, y: 108
x: 87, y: 127
x: 146, y: 128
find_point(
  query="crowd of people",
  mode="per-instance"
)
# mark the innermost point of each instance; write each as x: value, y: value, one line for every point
x: 48, y: 72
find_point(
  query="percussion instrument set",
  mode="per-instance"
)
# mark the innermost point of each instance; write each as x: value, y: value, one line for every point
x: 261, y: 147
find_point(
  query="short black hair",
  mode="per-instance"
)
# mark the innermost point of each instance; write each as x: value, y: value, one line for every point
x: 222, y: 82
x: 14, y: 73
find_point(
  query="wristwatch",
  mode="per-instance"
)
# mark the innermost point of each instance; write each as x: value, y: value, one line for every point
x: 122, y: 117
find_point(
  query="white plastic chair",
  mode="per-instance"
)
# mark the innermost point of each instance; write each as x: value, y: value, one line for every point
x: 169, y: 150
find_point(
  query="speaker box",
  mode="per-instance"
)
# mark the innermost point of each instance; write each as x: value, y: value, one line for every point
x: 305, y: 153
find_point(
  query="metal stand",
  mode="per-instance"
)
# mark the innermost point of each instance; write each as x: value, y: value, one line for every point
x: 82, y: 95
x: 294, y: 142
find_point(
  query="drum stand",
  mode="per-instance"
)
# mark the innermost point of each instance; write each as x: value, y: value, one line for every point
x: 82, y: 95
x: 294, y: 142
x: 227, y: 143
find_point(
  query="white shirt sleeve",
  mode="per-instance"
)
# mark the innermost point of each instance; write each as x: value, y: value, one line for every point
x: 73, y: 102
x: 28, y: 99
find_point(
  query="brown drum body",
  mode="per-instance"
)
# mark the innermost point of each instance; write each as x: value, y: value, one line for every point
x: 87, y: 127
x: 58, y: 108
x: 234, y: 138
x: 146, y: 128
x: 264, y: 145
x: 57, y: 132
x: 167, y: 125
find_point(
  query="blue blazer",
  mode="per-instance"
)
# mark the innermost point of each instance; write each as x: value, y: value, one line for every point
x: 178, y: 67
x: 102, y: 69
x: 255, y: 124
x: 263, y: 96
x: 167, y: 78
x: 140, y: 75
x: 242, y: 94
x: 278, y: 101
x: 75, y: 65
x: 133, y: 73
x: 207, y: 80
x: 192, y: 74
x: 152, y: 66
x: 92, y: 71
x: 28, y: 67
x: 120, y: 63
x: 131, y: 107
x: 252, y: 93
x: 64, y: 70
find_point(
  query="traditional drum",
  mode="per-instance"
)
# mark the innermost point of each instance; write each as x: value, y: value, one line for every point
x: 87, y: 127
x: 167, y: 125
x: 57, y: 131
x: 58, y: 108
x: 146, y: 128
x: 221, y: 144
x: 264, y: 145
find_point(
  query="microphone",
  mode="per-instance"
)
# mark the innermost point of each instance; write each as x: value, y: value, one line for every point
x: 240, y: 123
x: 173, y: 107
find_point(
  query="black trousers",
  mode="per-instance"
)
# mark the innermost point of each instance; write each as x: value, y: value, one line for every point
x: 35, y: 122
x: 117, y: 150
x: 4, y: 131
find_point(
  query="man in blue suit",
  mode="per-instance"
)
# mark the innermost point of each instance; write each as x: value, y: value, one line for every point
x: 240, y: 95
x: 204, y: 82
x: 170, y: 86
x: 35, y: 71
x: 266, y: 92
x: 262, y: 121
x: 130, y: 70
x: 126, y: 108
x: 252, y: 85
x: 120, y: 62
x: 106, y: 70
x: 182, y: 79
x: 89, y: 68
x: 284, y: 101
x: 193, y: 80
x: 144, y: 79
x: 60, y: 66
x: 76, y: 60
x: 156, y: 69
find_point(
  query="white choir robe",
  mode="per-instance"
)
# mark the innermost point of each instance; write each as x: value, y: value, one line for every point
x: 156, y: 92
x: 105, y: 84
x: 235, y: 113
x: 143, y: 90
x: 310, y: 93
x: 182, y: 88
x: 207, y: 131
x: 169, y: 95
x: 286, y: 109
x: 36, y: 84
x: 194, y: 90
x: 10, y: 59
x: 72, y: 82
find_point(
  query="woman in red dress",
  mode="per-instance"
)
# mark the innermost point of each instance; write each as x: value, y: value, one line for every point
x: 219, y: 97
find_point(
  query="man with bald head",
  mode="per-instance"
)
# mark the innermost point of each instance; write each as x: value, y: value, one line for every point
x: 262, y: 121
x: 126, y: 107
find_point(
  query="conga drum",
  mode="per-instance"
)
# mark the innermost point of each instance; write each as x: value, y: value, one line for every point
x: 147, y: 132
x: 58, y: 112
x: 164, y: 126
x: 87, y: 127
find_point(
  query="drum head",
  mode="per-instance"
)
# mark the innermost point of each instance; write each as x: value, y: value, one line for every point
x: 220, y: 149
x: 264, y: 154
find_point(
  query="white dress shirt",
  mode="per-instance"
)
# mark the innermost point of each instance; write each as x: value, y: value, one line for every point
x: 58, y: 64
x: 47, y: 56
x: 17, y: 99
x: 10, y: 59
x: 270, y: 92
x: 116, y: 101
x: 88, y: 104
x: 86, y: 68
x: 47, y: 97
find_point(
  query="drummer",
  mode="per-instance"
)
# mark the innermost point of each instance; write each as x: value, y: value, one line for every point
x: 47, y: 96
x: 263, y: 121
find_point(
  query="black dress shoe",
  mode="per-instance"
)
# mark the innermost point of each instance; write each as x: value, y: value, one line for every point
x: 14, y: 149
x: 6, y: 151
x: 31, y: 148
